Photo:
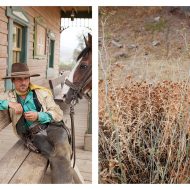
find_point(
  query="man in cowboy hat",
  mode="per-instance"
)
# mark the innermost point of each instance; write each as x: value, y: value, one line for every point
x: 38, y: 121
x: 20, y: 99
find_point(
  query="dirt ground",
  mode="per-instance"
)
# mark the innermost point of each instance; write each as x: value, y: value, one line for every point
x: 148, y: 43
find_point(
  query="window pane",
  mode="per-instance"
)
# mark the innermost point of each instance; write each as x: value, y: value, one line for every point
x: 14, y: 56
x: 18, y: 38
x: 17, y: 57
x: 14, y: 36
x: 17, y: 42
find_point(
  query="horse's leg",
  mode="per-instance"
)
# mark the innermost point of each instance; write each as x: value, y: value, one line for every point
x: 60, y: 161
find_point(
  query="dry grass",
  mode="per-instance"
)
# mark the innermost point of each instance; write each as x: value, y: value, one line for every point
x: 144, y: 133
x: 144, y: 119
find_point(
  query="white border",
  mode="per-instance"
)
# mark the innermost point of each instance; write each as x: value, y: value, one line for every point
x: 95, y: 96
x: 95, y: 4
x: 46, y: 3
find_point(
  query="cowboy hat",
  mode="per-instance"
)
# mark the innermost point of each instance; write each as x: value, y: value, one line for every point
x: 20, y: 70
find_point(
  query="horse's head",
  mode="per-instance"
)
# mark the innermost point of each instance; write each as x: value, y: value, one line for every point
x: 80, y: 79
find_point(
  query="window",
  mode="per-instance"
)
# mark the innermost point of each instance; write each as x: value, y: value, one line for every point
x: 18, y: 38
x: 51, y: 53
x: 40, y: 39
x: 17, y: 42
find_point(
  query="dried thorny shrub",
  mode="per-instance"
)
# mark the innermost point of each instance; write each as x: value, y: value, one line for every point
x: 144, y: 132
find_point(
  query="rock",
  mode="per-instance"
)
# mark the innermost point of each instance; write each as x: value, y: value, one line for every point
x: 100, y: 41
x: 114, y: 42
x: 120, y: 55
x: 157, y: 19
x: 156, y: 43
x: 131, y: 46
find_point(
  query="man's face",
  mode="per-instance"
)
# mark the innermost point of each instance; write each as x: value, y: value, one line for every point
x: 21, y: 83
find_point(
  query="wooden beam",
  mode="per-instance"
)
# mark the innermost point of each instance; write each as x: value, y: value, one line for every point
x: 10, y: 163
x: 31, y: 171
x: 81, y: 14
x: 4, y: 119
x: 78, y: 173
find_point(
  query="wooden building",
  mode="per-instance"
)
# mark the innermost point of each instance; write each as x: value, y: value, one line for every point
x: 31, y: 35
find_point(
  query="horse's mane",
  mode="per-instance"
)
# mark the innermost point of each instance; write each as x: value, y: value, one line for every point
x: 84, y: 52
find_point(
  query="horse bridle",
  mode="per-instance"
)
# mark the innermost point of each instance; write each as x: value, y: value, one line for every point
x: 78, y: 92
x: 78, y: 89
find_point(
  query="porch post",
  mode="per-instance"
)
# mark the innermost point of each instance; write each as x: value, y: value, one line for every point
x: 8, y: 83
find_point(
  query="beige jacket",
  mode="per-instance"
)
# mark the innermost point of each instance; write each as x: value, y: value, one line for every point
x: 44, y: 98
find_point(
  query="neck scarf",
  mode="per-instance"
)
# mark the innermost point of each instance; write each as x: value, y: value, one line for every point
x: 34, y: 86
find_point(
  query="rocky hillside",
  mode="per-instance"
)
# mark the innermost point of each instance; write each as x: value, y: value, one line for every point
x: 157, y: 32
x: 134, y: 37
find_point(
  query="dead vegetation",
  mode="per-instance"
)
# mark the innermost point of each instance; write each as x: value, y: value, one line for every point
x: 144, y: 133
x: 144, y: 123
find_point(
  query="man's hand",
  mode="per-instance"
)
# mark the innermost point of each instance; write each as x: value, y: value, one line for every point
x: 31, y: 116
x: 16, y: 106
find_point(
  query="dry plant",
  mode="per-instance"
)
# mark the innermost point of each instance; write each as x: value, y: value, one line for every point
x: 144, y: 136
x: 144, y: 128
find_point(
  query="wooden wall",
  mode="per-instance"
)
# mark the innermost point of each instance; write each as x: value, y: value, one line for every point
x: 3, y: 45
x: 51, y: 17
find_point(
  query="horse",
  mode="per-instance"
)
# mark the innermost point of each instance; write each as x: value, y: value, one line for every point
x: 80, y: 78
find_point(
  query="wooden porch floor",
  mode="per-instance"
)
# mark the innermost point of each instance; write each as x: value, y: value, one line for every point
x: 83, y: 158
